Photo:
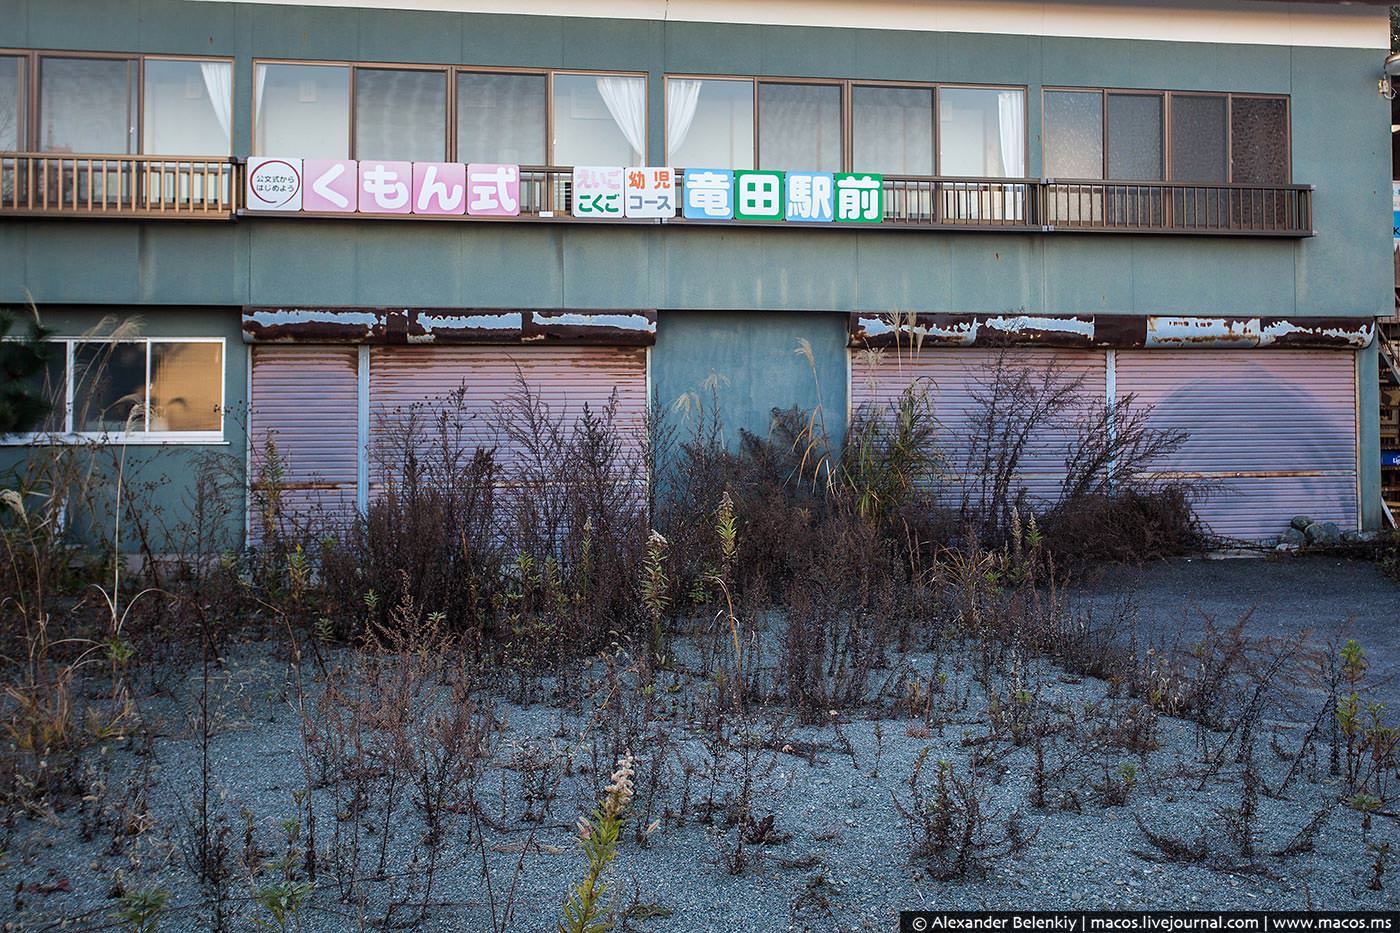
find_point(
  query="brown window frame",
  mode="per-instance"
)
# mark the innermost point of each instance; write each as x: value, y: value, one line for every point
x: 451, y: 72
x: 30, y: 72
x: 847, y: 87
x: 1168, y: 129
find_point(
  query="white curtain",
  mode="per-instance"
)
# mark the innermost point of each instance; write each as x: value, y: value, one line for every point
x: 682, y: 97
x: 1011, y: 122
x: 626, y: 100
x: 259, y: 84
x: 218, y: 81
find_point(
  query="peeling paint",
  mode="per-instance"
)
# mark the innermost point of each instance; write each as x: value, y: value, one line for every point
x: 1110, y: 331
x: 446, y: 326
x: 1202, y: 332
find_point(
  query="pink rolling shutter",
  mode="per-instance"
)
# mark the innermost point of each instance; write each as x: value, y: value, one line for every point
x: 403, y: 379
x: 952, y: 375
x: 1275, y: 429
x: 305, y: 403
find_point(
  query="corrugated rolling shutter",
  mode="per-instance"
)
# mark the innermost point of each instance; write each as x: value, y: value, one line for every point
x: 1275, y: 429
x: 424, y: 379
x: 305, y: 403
x: 953, y: 375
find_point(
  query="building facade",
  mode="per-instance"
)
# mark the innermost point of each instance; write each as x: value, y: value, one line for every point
x: 305, y: 217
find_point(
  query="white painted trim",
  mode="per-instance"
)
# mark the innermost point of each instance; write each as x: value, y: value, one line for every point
x: 1243, y: 22
x: 362, y: 430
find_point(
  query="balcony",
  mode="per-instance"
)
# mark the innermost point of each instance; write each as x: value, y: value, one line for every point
x: 180, y: 188
x: 129, y: 187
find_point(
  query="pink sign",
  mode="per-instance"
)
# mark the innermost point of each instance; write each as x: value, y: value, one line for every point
x: 494, y: 190
x: 386, y: 187
x: 439, y: 188
x: 332, y: 186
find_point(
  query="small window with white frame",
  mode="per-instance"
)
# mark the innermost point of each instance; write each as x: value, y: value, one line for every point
x: 135, y: 390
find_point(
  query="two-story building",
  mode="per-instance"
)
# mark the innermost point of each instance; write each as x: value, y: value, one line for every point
x: 304, y: 216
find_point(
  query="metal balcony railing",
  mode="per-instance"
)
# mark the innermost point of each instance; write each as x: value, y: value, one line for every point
x: 51, y: 184
x: 179, y: 187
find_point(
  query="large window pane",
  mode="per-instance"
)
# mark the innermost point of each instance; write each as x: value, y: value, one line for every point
x: 500, y: 118
x: 600, y: 120
x: 12, y: 97
x: 87, y: 105
x: 109, y: 386
x: 1259, y: 140
x: 186, y: 386
x: 1198, y: 138
x: 982, y: 132
x: 799, y: 127
x: 1135, y: 137
x: 1074, y: 134
x: 400, y: 114
x: 709, y: 123
x: 189, y: 106
x: 302, y: 111
x: 892, y: 130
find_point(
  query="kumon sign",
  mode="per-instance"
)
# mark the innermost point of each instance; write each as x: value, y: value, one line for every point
x: 443, y: 189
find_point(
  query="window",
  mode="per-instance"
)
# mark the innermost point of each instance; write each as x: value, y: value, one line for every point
x: 501, y: 118
x: 116, y: 105
x: 981, y: 132
x: 1200, y: 138
x: 155, y: 389
x: 400, y: 114
x: 599, y: 119
x: 892, y: 130
x: 188, y: 107
x: 1090, y: 134
x: 799, y: 127
x: 301, y: 110
x: 1073, y: 134
x: 1259, y: 140
x: 1119, y: 135
x: 709, y: 122
x: 87, y: 105
x: 12, y: 98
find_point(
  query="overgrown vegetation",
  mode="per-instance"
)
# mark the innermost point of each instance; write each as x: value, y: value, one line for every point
x: 546, y: 623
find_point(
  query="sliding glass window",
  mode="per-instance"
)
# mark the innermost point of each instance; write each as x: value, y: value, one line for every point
x: 799, y: 127
x: 1259, y: 140
x: 599, y: 119
x: 187, y: 107
x: 400, y: 114
x: 88, y: 105
x: 1090, y: 135
x: 982, y: 132
x: 501, y: 118
x: 892, y: 130
x: 709, y: 122
x: 1200, y: 138
x: 301, y: 110
x: 13, y: 94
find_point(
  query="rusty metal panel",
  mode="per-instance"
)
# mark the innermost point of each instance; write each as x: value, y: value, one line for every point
x: 910, y: 331
x: 952, y: 376
x: 471, y: 383
x: 304, y: 401
x: 1274, y: 432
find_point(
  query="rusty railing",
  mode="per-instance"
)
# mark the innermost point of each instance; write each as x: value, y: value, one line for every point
x: 120, y: 186
x: 179, y: 187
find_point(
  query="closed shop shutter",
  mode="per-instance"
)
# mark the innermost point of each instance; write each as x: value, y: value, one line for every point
x: 1273, y: 431
x: 305, y: 405
x: 953, y: 376
x: 477, y: 381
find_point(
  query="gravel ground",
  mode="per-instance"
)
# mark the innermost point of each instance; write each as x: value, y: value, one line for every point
x: 838, y: 857
x: 1333, y: 599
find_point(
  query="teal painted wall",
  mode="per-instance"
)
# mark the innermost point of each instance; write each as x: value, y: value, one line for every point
x: 743, y: 365
x: 1340, y: 144
x: 162, y: 476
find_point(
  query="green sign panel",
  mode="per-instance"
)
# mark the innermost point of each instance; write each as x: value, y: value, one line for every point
x: 859, y: 199
x: 758, y: 195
